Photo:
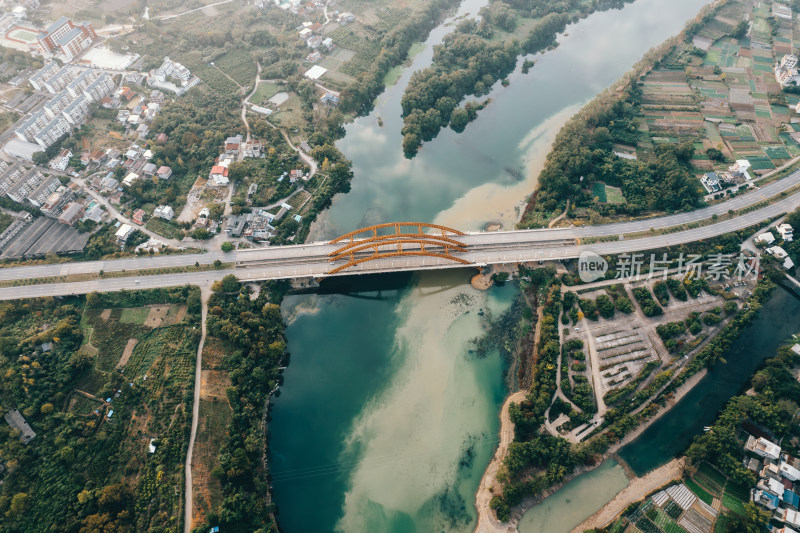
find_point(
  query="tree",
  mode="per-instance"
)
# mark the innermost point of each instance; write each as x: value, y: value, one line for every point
x: 230, y: 283
x: 459, y: 119
x: 411, y: 144
x: 740, y: 30
x: 227, y: 246
x: 19, y: 504
x: 201, y: 234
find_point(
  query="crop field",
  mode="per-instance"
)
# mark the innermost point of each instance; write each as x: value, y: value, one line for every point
x: 210, y: 75
x: 734, y: 498
x: 265, y: 91
x: 164, y: 228
x: 239, y: 65
x: 599, y: 192
x: 365, y: 50
x: 291, y: 117
x: 110, y: 333
x: 297, y: 200
x: 134, y: 315
x: 168, y: 350
x: 713, y: 478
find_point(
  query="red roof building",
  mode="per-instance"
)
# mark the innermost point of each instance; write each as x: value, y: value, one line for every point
x: 138, y: 216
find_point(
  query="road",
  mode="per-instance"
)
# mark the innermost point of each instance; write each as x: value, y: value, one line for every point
x: 168, y: 17
x: 118, y: 216
x: 311, y: 260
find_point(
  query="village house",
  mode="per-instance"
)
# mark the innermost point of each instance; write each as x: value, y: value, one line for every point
x: 785, y: 231
x: 233, y: 144
x: 763, y: 448
x: 123, y: 233
x: 56, y: 200
x: 15, y: 419
x: 314, y: 41
x: 164, y: 211
x: 253, y: 148
x: 149, y: 169
x: 138, y: 216
x: 764, y: 238
x: 218, y: 176
x: 333, y: 101
x: 130, y: 179
x: 779, y: 253
x: 786, y: 72
x: 164, y: 172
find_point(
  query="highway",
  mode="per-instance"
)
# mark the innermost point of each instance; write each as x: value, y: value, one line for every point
x: 312, y: 260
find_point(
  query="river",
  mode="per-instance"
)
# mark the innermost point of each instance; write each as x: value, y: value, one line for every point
x: 386, y: 421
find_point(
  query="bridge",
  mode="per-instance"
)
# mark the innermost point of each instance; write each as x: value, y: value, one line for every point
x: 411, y: 246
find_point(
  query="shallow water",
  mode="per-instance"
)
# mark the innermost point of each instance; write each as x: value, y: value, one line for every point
x: 389, y: 421
x: 576, y: 501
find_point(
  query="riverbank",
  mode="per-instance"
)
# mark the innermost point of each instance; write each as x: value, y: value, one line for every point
x: 638, y: 488
x: 492, y: 525
x: 487, y: 523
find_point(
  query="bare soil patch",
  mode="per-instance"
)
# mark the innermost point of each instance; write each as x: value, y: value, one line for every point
x: 126, y: 353
x: 156, y: 316
x: 213, y: 384
x: 105, y: 315
x: 179, y: 315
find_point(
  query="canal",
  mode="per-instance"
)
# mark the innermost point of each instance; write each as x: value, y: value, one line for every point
x: 386, y: 419
x: 671, y: 434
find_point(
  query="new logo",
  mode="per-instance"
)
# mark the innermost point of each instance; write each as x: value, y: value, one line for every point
x: 591, y: 266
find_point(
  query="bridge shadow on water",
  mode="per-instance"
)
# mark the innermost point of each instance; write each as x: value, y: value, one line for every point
x: 388, y: 286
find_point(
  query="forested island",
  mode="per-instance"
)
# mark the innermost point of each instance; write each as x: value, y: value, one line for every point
x: 476, y: 55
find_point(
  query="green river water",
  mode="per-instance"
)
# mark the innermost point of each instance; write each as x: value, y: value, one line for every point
x: 385, y: 420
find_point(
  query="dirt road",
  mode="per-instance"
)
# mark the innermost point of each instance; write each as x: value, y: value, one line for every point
x: 205, y: 294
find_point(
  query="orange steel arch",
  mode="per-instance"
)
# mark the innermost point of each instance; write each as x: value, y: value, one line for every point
x: 400, y: 244
x: 397, y: 226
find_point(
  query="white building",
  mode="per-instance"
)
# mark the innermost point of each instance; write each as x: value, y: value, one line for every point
x: 315, y: 72
x: 21, y: 149
x: 56, y: 104
x: 765, y: 238
x: 76, y: 86
x: 123, y: 233
x: 762, y: 447
x: 99, y: 88
x: 789, y: 472
x: 785, y: 231
x: 780, y: 254
x: 786, y: 72
x: 130, y: 179
x: 740, y: 169
x: 40, y: 76
x: 76, y: 111
x: 164, y: 211
x: 788, y: 516
x: 51, y: 132
x: 61, y: 161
